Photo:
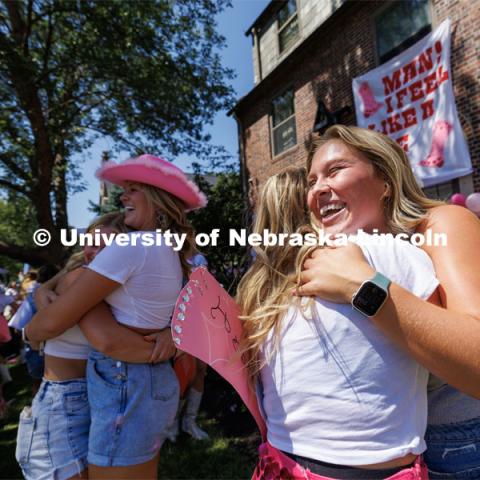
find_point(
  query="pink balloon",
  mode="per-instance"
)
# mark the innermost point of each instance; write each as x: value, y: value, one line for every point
x: 458, y: 199
x: 473, y: 202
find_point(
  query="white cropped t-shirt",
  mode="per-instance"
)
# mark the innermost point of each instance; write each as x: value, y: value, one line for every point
x: 72, y: 344
x: 150, y: 280
x: 339, y: 390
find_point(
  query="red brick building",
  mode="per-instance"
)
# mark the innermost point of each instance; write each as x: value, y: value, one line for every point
x: 306, y: 51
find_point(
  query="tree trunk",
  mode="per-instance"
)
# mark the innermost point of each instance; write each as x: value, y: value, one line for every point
x: 60, y: 191
x: 42, y: 162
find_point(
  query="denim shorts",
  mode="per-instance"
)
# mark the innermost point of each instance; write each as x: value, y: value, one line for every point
x: 132, y: 405
x: 52, y: 439
x: 453, y: 450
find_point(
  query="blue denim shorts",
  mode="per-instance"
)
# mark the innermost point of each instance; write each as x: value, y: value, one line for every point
x: 132, y: 405
x: 453, y: 450
x: 52, y: 439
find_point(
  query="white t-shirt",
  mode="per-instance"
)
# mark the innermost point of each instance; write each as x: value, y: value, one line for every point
x: 150, y: 278
x: 72, y: 343
x: 337, y: 389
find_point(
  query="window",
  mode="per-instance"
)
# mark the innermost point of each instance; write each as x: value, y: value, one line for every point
x: 442, y: 191
x: 287, y: 25
x: 284, y: 132
x: 400, y: 26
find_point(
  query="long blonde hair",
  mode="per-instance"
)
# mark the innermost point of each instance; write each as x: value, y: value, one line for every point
x: 406, y: 206
x: 113, y: 220
x: 170, y: 214
x: 264, y: 292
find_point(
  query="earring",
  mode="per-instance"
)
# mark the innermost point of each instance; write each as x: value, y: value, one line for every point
x: 162, y: 221
x: 387, y: 190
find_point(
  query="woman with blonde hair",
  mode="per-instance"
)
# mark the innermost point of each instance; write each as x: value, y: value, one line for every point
x: 341, y: 401
x: 132, y: 404
x: 52, y: 438
x: 444, y: 339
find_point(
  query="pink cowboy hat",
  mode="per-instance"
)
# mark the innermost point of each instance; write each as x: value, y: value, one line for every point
x: 157, y: 172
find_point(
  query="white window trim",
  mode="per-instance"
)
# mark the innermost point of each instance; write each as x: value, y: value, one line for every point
x: 272, y: 130
x: 282, y: 53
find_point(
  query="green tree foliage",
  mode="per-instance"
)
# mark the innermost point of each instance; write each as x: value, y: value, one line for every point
x: 225, y: 210
x: 17, y: 224
x: 146, y: 74
x: 112, y: 204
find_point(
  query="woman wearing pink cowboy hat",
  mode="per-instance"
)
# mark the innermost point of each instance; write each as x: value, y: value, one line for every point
x: 132, y: 404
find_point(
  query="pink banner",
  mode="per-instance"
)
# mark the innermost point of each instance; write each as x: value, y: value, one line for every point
x: 205, y: 324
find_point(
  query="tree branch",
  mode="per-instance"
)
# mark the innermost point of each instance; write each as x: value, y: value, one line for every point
x: 60, y: 190
x: 109, y: 134
x: 35, y: 257
x: 48, y: 45
x: 20, y: 73
x: 28, y: 30
x: 17, y: 188
x: 13, y: 167
x: 18, y: 24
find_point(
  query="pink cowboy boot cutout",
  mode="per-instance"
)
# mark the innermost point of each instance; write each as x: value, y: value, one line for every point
x: 370, y: 105
x: 436, y: 157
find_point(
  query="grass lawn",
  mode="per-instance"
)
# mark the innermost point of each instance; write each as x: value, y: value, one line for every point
x: 229, y: 454
x: 19, y: 393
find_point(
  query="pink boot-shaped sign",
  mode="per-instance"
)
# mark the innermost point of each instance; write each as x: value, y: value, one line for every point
x: 436, y: 157
x: 370, y: 105
x: 205, y: 324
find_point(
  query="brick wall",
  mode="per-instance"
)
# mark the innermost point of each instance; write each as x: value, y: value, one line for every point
x: 342, y: 50
x: 465, y: 16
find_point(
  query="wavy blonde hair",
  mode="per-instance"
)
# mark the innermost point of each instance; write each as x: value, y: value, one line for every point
x: 113, y: 220
x: 264, y: 293
x: 406, y: 206
x: 170, y: 214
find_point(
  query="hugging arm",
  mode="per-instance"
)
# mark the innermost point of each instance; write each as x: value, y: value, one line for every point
x: 86, y: 291
x: 444, y: 340
x: 45, y: 293
x: 106, y: 335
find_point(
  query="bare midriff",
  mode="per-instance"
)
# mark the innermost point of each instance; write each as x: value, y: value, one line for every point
x: 143, y: 331
x: 397, y: 462
x: 60, y: 369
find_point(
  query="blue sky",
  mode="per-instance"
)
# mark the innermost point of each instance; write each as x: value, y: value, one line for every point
x: 237, y: 55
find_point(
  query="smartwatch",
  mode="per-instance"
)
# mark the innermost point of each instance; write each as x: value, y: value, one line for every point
x: 371, y: 295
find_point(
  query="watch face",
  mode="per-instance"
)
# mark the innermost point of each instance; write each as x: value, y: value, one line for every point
x: 369, y: 298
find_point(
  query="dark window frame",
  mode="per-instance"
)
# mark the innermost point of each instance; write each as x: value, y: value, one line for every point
x: 405, y: 44
x: 437, y: 192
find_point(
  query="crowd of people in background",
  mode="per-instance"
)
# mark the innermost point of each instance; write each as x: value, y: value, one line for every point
x: 14, y: 297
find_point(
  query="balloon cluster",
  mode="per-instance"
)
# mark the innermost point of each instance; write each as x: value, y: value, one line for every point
x: 472, y: 202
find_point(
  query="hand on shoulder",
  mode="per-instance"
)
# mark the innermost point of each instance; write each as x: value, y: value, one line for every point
x: 334, y: 274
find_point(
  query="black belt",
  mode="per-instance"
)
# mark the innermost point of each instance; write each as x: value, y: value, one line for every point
x: 341, y: 472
